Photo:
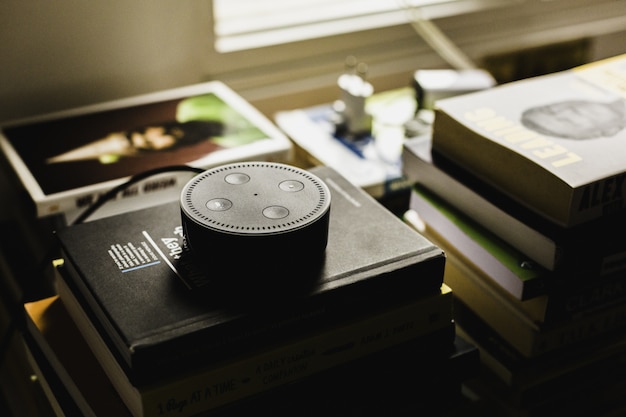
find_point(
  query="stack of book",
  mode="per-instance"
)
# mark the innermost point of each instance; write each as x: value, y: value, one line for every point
x: 523, y: 186
x: 377, y: 310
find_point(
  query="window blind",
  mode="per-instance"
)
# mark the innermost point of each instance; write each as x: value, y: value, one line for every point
x: 249, y: 24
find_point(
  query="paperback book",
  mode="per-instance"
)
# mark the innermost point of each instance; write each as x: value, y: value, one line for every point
x: 554, y: 143
x: 66, y: 160
x: 507, y: 267
x: 132, y: 273
x: 586, y: 380
x: 531, y: 339
x: 543, y: 296
x: 371, y: 162
x: 582, y: 250
x: 527, y: 382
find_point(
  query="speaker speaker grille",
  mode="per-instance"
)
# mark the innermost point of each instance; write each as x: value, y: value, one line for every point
x: 255, y: 198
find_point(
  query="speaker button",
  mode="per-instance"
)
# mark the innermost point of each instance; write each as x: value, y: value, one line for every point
x: 291, y: 186
x: 219, y: 204
x: 275, y: 212
x: 237, y: 178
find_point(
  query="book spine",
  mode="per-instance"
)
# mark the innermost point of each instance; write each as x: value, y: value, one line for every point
x: 420, y: 168
x: 530, y: 383
x: 598, y: 199
x: 578, y: 300
x: 254, y: 374
x: 158, y: 189
x: 528, y: 338
x: 150, y: 191
x: 455, y: 232
x: 600, y: 323
x: 298, y: 360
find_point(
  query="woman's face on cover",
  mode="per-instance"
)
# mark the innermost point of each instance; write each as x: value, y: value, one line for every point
x: 154, y: 138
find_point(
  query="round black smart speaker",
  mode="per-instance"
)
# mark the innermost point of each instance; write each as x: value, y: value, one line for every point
x: 248, y: 220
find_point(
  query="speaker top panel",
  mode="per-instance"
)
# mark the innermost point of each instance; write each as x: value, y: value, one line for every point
x: 255, y: 198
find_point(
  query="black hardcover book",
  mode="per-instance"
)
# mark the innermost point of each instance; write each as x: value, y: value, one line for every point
x: 426, y: 377
x: 128, y: 269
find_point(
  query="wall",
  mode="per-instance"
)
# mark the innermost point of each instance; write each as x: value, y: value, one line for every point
x: 65, y: 53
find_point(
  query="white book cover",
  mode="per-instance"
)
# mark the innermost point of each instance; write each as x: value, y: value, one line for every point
x: 67, y: 159
x: 556, y: 143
